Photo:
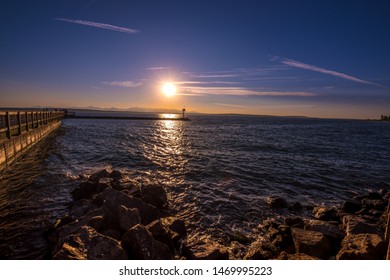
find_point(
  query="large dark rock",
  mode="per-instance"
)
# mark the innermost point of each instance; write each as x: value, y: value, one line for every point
x: 329, y: 230
x: 276, y: 202
x: 209, y: 251
x: 356, y: 225
x: 351, y: 206
x: 298, y: 256
x: 88, y: 244
x: 260, y: 250
x: 160, y: 234
x: 154, y: 195
x: 312, y: 243
x: 175, y: 225
x: 88, y: 189
x: 294, y: 222
x: 325, y: 213
x: 120, y: 217
x: 362, y: 247
x: 81, y: 208
x: 98, y: 175
x: 140, y: 244
x: 111, y: 198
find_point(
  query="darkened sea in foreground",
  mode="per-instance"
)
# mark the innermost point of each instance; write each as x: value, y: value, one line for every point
x: 217, y: 170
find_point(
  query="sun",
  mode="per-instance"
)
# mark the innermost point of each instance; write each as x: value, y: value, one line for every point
x: 169, y: 89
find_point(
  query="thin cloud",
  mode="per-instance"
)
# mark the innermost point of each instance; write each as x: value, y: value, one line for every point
x: 157, y: 68
x: 100, y: 25
x: 230, y: 105
x: 240, y: 91
x: 302, y: 65
x: 127, y: 84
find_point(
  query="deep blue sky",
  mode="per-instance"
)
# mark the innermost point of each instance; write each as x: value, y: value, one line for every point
x: 313, y: 58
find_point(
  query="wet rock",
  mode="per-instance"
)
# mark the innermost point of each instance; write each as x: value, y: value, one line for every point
x: 95, y: 177
x: 374, y: 204
x: 351, y: 206
x: 116, y: 175
x: 374, y: 195
x: 159, y: 233
x: 298, y: 256
x: 297, y: 206
x: 325, y: 213
x: 294, y: 222
x: 112, y: 198
x: 154, y: 195
x: 276, y: 202
x: 113, y: 233
x: 80, y: 208
x: 209, y: 251
x: 175, y: 225
x: 88, y: 244
x: 312, y: 243
x: 356, y: 225
x: 128, y: 217
x: 97, y: 222
x: 283, y: 242
x: 329, y: 230
x: 362, y: 247
x: 88, y: 189
x: 261, y: 250
x: 139, y: 244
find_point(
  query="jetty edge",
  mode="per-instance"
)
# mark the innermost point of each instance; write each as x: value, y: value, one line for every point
x: 20, y: 130
x: 112, y: 218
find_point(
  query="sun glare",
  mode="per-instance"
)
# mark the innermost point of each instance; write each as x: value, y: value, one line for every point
x: 169, y: 89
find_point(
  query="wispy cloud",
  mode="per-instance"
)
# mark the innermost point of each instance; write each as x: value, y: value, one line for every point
x: 241, y: 91
x: 127, y: 84
x: 230, y: 105
x: 206, y: 83
x: 100, y: 25
x: 302, y: 65
x: 157, y: 68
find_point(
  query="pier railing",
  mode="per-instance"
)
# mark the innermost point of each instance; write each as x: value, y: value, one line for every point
x: 15, y: 123
x: 19, y: 131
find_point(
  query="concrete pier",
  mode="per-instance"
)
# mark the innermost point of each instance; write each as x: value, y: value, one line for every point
x: 19, y: 131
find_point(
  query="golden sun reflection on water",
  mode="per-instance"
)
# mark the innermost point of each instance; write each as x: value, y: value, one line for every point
x: 167, y: 149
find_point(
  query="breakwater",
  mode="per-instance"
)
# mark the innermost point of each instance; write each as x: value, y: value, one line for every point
x: 21, y: 130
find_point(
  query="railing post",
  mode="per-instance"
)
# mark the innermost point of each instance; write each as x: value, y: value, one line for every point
x: 26, y: 121
x: 19, y: 124
x: 8, y: 120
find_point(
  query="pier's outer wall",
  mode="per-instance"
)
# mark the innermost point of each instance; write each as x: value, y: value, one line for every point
x: 14, y: 147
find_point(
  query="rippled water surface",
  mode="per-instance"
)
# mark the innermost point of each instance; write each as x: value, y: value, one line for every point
x: 217, y: 169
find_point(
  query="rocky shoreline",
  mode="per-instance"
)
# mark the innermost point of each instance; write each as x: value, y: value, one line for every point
x: 114, y: 220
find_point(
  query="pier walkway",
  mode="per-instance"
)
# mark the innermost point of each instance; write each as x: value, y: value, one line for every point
x: 22, y: 129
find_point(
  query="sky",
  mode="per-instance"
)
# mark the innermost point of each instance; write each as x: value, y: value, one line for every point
x: 285, y: 58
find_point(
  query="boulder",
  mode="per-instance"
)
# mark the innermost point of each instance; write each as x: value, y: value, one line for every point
x: 140, y: 244
x: 312, y: 243
x: 154, y: 195
x: 127, y: 218
x: 209, y: 251
x: 356, y: 225
x: 159, y: 233
x: 113, y: 233
x: 276, y: 202
x: 325, y: 213
x: 298, y: 256
x: 329, y: 230
x: 112, y: 198
x: 81, y: 208
x: 88, y: 244
x: 95, y: 177
x: 351, y: 206
x: 88, y: 189
x: 175, y: 225
x: 362, y: 247
x: 260, y: 250
x: 375, y: 204
x: 294, y: 222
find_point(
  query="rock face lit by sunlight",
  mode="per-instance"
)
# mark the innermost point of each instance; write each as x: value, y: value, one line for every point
x: 168, y: 89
